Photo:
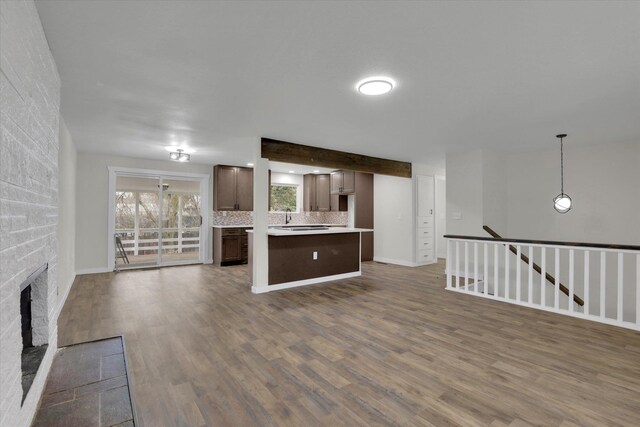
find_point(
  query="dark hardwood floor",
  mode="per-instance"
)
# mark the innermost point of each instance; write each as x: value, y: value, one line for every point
x: 389, y: 348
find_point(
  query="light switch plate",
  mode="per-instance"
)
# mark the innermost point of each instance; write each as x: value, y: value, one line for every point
x: 315, y: 255
x: 456, y: 215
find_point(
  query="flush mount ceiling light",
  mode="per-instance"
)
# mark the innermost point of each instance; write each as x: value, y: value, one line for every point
x: 179, y: 155
x: 562, y: 202
x: 249, y: 164
x: 375, y: 85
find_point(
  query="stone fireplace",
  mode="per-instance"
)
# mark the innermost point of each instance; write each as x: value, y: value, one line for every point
x: 34, y: 325
x: 29, y: 133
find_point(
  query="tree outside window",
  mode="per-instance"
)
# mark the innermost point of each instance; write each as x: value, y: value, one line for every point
x: 284, y: 197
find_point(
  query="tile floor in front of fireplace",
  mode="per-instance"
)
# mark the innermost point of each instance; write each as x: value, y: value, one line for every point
x: 87, y: 386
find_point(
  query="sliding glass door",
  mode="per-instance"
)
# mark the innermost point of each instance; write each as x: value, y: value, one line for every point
x: 157, y: 221
x: 137, y: 221
x: 181, y: 221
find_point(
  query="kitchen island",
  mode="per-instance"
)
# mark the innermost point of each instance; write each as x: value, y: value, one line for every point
x: 301, y: 256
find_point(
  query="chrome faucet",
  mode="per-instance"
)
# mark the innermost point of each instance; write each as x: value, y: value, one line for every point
x: 287, y: 216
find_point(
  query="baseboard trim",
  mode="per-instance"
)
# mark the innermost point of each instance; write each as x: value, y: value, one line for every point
x: 306, y: 282
x: 95, y: 270
x: 64, y: 298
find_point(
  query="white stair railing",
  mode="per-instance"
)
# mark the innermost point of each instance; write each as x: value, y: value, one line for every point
x: 592, y: 281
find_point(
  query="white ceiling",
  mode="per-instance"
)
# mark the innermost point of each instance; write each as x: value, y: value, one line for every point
x: 138, y: 75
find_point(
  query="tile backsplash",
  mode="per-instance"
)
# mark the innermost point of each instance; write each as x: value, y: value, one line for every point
x: 246, y: 218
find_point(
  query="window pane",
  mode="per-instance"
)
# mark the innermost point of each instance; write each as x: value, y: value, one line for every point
x: 149, y: 210
x: 125, y: 210
x: 190, y: 210
x: 283, y: 197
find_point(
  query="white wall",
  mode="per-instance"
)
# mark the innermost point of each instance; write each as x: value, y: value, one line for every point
x: 67, y: 163
x: 30, y: 105
x: 393, y: 219
x: 465, y: 193
x: 603, y: 181
x: 291, y: 179
x: 494, y: 192
x: 92, y: 183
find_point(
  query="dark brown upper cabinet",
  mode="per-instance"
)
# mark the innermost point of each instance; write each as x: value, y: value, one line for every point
x: 317, y: 193
x: 323, y: 193
x: 339, y: 203
x: 343, y: 182
x: 232, y: 188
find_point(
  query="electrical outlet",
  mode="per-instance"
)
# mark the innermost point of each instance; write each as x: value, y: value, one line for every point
x: 315, y: 255
x: 224, y: 213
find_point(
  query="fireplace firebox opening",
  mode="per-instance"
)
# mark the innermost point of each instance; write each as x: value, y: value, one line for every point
x: 34, y: 324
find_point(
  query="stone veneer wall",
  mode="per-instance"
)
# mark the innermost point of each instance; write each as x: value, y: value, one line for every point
x: 276, y: 218
x: 29, y: 115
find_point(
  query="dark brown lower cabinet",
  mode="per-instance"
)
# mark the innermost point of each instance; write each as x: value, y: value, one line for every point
x: 230, y: 246
x: 366, y: 246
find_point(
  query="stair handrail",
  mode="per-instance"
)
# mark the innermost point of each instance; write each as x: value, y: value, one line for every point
x: 536, y: 267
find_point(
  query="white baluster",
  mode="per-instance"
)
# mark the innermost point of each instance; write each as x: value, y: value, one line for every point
x: 556, y: 295
x: 466, y: 266
x: 518, y: 272
x: 571, y: 268
x: 496, y: 275
x: 486, y: 268
x: 457, y: 264
x: 475, y: 265
x: 620, y: 283
x: 543, y: 277
x: 530, y: 291
x: 586, y: 282
x: 506, y: 272
x: 603, y: 273
x: 449, y: 264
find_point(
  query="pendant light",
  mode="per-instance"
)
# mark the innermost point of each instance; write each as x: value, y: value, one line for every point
x: 562, y: 202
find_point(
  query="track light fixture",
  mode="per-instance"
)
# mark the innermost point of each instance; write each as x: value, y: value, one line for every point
x: 179, y: 155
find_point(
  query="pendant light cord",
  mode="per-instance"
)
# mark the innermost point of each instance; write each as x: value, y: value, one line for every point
x: 561, y: 168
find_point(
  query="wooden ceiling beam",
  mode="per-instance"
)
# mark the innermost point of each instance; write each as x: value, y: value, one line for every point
x: 288, y: 152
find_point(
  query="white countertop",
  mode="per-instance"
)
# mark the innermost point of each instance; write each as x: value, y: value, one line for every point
x: 331, y: 230
x: 278, y: 225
